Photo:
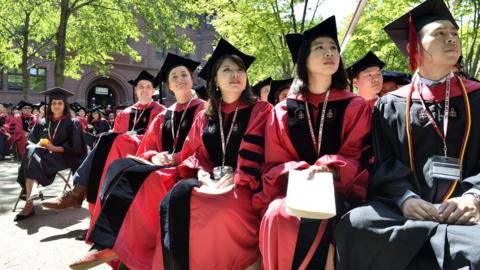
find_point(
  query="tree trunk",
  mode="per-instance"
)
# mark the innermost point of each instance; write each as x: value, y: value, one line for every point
x: 60, y: 46
x: 24, y: 65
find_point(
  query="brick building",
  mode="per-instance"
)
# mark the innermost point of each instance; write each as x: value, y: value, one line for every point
x: 112, y: 89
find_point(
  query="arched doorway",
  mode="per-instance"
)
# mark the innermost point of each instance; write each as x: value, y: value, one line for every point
x: 101, y: 94
x: 106, y: 91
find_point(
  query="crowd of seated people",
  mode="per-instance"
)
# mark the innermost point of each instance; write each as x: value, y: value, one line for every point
x: 207, y: 182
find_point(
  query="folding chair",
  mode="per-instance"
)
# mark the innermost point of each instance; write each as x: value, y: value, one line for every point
x: 65, y: 179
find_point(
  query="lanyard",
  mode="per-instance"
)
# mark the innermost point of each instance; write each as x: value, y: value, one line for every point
x: 175, y: 136
x: 50, y: 137
x: 322, y: 121
x: 135, y: 120
x: 466, y: 136
x: 222, y: 136
x: 443, y: 135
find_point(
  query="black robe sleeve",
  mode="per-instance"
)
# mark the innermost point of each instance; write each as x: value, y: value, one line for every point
x: 75, y: 144
x: 391, y: 178
x: 37, y: 132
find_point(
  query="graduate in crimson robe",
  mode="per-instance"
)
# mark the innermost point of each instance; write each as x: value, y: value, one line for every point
x: 5, y: 131
x: 128, y: 131
x: 422, y: 211
x: 126, y: 218
x: 97, y: 125
x: 55, y: 143
x: 25, y: 121
x: 211, y: 224
x: 319, y: 94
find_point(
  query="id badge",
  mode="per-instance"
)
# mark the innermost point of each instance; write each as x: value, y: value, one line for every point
x: 131, y: 132
x: 221, y: 171
x: 445, y: 168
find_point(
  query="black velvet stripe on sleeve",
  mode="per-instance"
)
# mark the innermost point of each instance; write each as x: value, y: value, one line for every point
x: 252, y: 156
x: 251, y: 170
x: 258, y: 140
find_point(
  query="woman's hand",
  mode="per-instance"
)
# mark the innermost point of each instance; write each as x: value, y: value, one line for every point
x: 209, y: 186
x: 321, y: 168
x: 163, y: 159
x: 204, y: 178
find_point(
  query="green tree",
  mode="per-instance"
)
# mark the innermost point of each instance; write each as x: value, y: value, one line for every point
x: 91, y: 32
x: 257, y: 27
x: 369, y: 34
x: 26, y: 31
x: 468, y: 15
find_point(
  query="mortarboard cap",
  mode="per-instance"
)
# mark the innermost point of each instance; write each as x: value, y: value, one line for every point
x: 201, y: 91
x: 57, y: 93
x: 369, y: 60
x: 38, y: 105
x: 327, y: 28
x: 294, y: 42
x: 259, y: 85
x: 172, y: 61
x: 144, y: 75
x: 22, y: 104
x: 223, y: 48
x: 399, y: 78
x: 404, y: 30
x: 276, y: 86
x: 98, y: 108
x: 76, y: 107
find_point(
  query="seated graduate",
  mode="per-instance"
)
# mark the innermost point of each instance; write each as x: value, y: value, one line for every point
x: 425, y: 187
x: 279, y: 90
x: 55, y: 143
x: 25, y: 121
x: 366, y: 76
x: 207, y: 219
x: 5, y: 131
x: 262, y: 88
x: 80, y: 114
x: 126, y: 218
x: 320, y: 127
x: 96, y: 125
x: 392, y: 80
x: 130, y: 124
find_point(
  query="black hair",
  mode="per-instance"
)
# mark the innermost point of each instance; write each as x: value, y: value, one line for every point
x: 300, y: 85
x: 214, y: 96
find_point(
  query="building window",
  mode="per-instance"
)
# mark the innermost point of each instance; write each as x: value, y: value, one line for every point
x: 14, y: 80
x: 159, y: 53
x: 37, y: 79
x: 208, y: 21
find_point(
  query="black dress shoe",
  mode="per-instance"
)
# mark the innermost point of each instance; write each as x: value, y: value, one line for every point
x: 22, y: 217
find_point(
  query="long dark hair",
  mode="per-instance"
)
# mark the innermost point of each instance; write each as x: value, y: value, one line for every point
x: 66, y: 109
x: 300, y: 83
x: 214, y: 96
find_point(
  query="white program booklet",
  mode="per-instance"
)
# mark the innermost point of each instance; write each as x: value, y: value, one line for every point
x: 311, y: 198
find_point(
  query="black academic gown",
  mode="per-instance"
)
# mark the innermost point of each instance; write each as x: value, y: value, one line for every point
x: 41, y: 165
x: 376, y: 235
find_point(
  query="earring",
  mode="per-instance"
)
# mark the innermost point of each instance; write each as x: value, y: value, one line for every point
x: 217, y: 89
